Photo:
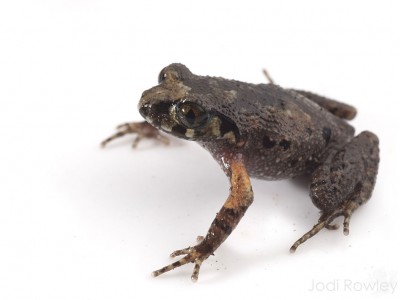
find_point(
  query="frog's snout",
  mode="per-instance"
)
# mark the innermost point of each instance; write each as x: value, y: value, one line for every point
x: 144, y: 109
x: 157, y: 113
x: 145, y: 105
x: 147, y: 112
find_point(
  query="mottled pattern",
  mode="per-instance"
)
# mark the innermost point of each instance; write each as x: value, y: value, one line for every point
x: 265, y: 118
x: 240, y: 198
x: 347, y: 174
x: 263, y: 131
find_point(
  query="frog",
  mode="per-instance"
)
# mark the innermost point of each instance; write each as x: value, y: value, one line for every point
x: 260, y: 131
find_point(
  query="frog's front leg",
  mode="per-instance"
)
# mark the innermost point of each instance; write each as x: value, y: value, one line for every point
x: 240, y: 198
x: 344, y: 182
x: 141, y: 129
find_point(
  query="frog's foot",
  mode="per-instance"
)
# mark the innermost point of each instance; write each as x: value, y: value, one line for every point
x: 142, y: 129
x: 343, y: 182
x: 325, y: 220
x: 196, y: 255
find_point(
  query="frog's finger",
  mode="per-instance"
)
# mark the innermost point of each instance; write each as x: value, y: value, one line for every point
x: 196, y: 270
x: 162, y: 139
x: 122, y: 130
x: 113, y: 137
x: 141, y: 129
x: 123, y: 126
x: 179, y: 263
x: 181, y: 252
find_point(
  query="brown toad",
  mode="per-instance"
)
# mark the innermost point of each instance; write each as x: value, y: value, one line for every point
x: 263, y: 131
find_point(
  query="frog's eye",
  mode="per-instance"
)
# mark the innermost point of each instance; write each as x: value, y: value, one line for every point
x: 169, y: 74
x: 162, y: 76
x: 191, y: 115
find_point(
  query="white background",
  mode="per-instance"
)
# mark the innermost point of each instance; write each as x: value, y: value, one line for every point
x: 81, y: 222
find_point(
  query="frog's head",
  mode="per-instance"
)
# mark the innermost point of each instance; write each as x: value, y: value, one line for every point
x: 180, y: 105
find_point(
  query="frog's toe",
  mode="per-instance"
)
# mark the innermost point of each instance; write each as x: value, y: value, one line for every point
x: 192, y: 256
x: 328, y: 226
x: 317, y: 228
x: 347, y: 213
x: 332, y: 226
x: 325, y: 220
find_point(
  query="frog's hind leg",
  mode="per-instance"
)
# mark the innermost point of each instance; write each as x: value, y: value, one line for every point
x: 339, y: 109
x: 343, y: 182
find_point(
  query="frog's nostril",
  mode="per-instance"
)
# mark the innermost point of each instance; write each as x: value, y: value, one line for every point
x: 145, y: 110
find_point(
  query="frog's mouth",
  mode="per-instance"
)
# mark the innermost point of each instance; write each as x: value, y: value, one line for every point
x: 157, y: 115
x: 162, y: 116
